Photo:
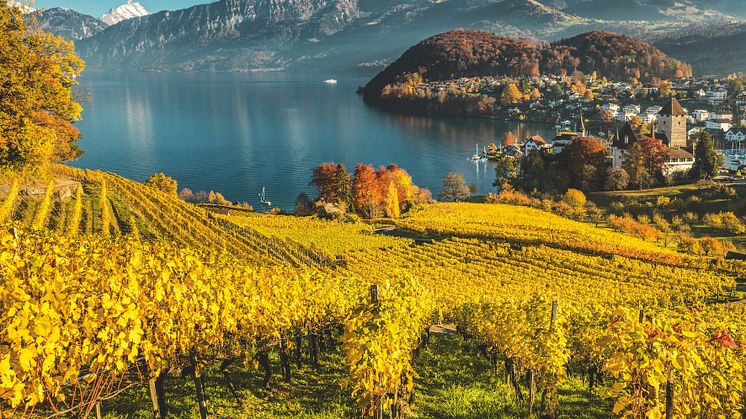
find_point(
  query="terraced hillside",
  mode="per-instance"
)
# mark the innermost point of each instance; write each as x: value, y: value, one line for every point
x: 92, y: 202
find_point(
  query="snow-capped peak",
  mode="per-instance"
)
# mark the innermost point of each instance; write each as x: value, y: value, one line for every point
x: 126, y: 11
x: 25, y: 8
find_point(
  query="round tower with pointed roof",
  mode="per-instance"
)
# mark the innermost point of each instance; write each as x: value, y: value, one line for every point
x: 672, y: 123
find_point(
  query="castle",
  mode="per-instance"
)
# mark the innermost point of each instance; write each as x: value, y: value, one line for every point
x: 672, y: 124
x: 671, y: 131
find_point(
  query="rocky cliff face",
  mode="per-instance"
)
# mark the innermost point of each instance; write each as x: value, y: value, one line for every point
x: 68, y: 23
x: 226, y: 35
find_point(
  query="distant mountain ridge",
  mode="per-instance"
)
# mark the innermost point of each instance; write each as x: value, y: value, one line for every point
x: 711, y: 50
x: 359, y: 35
x: 68, y: 23
x: 465, y: 53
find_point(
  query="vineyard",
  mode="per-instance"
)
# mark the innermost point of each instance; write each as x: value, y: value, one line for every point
x: 121, y: 292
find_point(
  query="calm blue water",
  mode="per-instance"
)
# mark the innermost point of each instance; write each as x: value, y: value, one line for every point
x: 235, y: 133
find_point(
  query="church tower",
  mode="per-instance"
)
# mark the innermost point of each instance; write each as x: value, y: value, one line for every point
x: 672, y: 123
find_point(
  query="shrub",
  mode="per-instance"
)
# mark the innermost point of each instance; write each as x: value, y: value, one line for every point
x: 163, y: 183
x: 714, y: 247
x: 509, y: 195
x: 617, y: 207
x: 627, y: 224
x: 691, y: 217
x: 662, y: 201
x: 575, y: 198
x: 688, y: 244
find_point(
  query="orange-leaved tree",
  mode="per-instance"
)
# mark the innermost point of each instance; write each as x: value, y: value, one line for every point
x: 37, y: 109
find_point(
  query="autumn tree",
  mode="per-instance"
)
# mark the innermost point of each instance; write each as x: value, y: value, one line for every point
x: 584, y: 160
x: 510, y: 95
x: 706, y: 160
x: 664, y: 89
x: 37, y: 110
x: 367, y: 196
x: 392, y: 201
x: 606, y: 116
x: 454, y: 188
x: 617, y: 179
x: 574, y: 198
x: 163, y: 183
x: 635, y: 122
x: 327, y: 181
x: 655, y: 154
x: 635, y: 166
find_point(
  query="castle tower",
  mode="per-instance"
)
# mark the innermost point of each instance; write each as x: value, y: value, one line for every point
x: 672, y: 123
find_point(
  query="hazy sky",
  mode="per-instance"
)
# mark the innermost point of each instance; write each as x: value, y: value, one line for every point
x: 99, y: 7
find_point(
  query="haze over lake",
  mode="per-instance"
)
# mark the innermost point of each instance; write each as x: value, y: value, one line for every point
x: 235, y: 133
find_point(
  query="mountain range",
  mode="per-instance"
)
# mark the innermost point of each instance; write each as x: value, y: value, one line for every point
x: 364, y: 35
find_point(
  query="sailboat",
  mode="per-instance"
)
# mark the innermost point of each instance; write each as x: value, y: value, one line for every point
x: 476, y: 156
x: 263, y: 198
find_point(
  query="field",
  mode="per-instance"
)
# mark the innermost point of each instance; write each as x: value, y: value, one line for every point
x: 120, y: 299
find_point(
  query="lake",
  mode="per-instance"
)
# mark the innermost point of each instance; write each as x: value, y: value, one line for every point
x: 235, y: 133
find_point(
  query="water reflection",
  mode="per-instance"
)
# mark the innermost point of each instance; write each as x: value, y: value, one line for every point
x: 238, y: 132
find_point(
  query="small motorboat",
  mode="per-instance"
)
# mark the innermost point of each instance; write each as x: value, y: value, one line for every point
x: 330, y: 81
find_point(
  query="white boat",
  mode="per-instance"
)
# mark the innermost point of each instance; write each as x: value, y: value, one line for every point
x: 330, y: 81
x: 263, y: 198
x: 476, y: 156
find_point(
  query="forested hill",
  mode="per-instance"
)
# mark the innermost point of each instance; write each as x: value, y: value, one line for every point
x: 469, y: 53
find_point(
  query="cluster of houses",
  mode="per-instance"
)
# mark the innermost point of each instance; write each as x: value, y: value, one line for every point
x: 669, y: 125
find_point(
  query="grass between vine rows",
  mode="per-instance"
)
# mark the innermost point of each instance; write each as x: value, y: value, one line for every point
x: 453, y: 381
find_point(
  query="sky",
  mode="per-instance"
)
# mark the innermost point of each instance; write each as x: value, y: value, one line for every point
x: 99, y: 7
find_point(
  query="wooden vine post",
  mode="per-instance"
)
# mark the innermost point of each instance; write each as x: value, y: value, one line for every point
x: 154, y: 399
x: 199, y: 386
x: 669, y: 394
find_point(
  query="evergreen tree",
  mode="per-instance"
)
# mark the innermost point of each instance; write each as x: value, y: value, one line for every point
x: 343, y: 186
x: 706, y: 163
x: 505, y: 172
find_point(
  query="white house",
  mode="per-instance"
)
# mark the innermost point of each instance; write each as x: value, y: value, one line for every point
x: 653, y: 110
x: 718, y: 124
x: 721, y: 116
x: 533, y: 144
x: 679, y: 161
x: 635, y: 109
x: 614, y: 107
x: 716, y: 96
x: 701, y: 115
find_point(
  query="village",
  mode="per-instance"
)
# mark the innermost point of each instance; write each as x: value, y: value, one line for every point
x: 717, y: 105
